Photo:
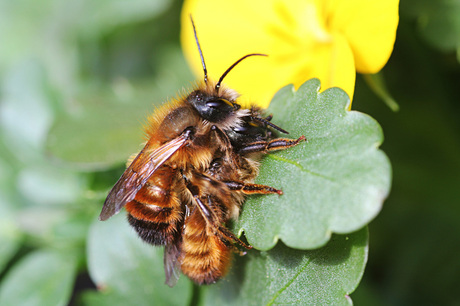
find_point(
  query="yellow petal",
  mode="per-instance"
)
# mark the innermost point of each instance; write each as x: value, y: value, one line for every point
x: 335, y: 65
x: 226, y: 34
x: 370, y: 29
x: 294, y: 34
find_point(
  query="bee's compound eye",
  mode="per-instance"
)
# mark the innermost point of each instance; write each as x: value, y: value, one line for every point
x: 212, y: 108
x: 221, y: 103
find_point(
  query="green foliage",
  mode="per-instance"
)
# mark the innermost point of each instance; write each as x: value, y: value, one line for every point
x: 41, y: 278
x: 127, y: 270
x: 438, y: 21
x: 78, y: 80
x: 286, y: 276
x: 376, y: 82
x: 106, y: 126
x: 334, y: 182
x: 125, y: 267
x: 414, y: 241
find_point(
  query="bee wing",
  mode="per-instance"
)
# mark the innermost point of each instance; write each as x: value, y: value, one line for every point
x: 171, y: 264
x: 137, y: 174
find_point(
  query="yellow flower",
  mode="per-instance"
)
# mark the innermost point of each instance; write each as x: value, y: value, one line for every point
x: 329, y: 40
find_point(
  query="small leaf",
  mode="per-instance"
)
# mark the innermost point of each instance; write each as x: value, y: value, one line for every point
x: 123, y: 266
x: 326, y: 276
x: 333, y: 183
x: 41, y: 278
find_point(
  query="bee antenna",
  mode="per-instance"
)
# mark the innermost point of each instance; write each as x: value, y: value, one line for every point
x: 233, y: 66
x: 199, y: 51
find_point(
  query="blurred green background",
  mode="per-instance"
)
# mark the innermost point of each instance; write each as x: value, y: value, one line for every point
x: 70, y: 71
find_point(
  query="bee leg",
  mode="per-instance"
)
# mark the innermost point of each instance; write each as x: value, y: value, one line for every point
x: 207, y: 212
x: 212, y: 186
x: 212, y: 220
x: 248, y: 188
x: 272, y: 145
x: 226, y: 234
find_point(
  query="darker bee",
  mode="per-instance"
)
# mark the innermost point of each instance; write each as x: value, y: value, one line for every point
x: 190, y: 179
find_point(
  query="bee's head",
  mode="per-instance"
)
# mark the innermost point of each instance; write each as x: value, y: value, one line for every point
x: 213, y: 108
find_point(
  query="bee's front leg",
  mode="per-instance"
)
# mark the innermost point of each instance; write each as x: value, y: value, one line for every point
x: 272, y: 145
x: 249, y: 188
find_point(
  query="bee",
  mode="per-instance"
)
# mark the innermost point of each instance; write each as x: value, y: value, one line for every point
x: 198, y: 164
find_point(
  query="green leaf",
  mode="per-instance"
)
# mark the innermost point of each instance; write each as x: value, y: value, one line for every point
x: 438, y: 21
x: 25, y: 111
x: 325, y: 276
x: 126, y: 269
x: 335, y: 182
x: 98, y: 135
x: 49, y: 29
x: 47, y: 185
x: 41, y: 278
x: 107, y: 14
x: 440, y: 26
x: 105, y: 126
x: 112, y: 298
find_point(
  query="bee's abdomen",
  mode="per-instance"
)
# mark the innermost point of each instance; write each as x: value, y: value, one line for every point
x: 154, y: 232
x: 206, y: 257
x: 156, y: 212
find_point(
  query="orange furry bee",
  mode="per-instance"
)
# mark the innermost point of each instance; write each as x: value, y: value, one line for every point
x: 190, y: 179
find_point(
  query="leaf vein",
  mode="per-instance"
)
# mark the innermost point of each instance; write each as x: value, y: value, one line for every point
x: 289, y: 161
x: 277, y: 294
